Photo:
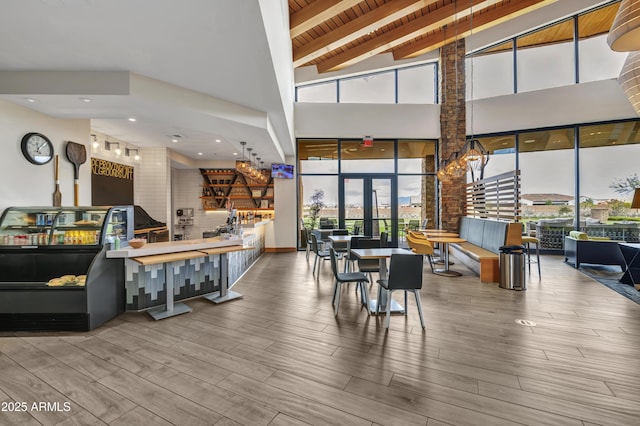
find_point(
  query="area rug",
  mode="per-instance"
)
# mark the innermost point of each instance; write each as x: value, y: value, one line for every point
x: 610, y: 276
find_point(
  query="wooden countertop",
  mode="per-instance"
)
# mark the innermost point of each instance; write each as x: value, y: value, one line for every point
x: 166, y: 247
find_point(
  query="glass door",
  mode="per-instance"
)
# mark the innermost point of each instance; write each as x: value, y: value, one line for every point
x: 368, y: 205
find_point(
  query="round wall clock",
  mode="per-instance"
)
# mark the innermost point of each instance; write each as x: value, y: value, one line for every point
x: 37, y: 148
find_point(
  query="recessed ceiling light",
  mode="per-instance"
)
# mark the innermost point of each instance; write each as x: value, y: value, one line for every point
x: 174, y: 140
x: 31, y: 100
x: 132, y: 119
x: 505, y: 143
x: 218, y: 140
x: 199, y: 153
x: 235, y: 153
x: 529, y: 141
x: 87, y: 100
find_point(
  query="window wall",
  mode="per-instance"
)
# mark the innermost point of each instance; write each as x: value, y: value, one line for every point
x: 409, y: 85
x: 572, y: 50
x: 322, y: 162
x: 564, y: 188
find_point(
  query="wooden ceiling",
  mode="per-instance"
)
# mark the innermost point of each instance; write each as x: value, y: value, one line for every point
x: 335, y: 34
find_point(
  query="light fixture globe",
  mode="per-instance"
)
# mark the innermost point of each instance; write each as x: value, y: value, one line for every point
x: 629, y: 79
x: 624, y: 35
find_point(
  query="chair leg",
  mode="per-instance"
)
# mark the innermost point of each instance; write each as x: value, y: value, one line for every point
x: 406, y: 305
x: 538, y: 257
x: 528, y: 256
x: 430, y: 262
x: 308, y: 251
x: 335, y: 290
x: 419, y: 304
x: 337, y: 306
x: 378, y: 301
x: 387, y: 320
x: 365, y: 292
x: 315, y: 262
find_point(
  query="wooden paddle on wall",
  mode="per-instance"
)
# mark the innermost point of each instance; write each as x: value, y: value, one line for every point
x: 77, y: 154
x: 57, y: 195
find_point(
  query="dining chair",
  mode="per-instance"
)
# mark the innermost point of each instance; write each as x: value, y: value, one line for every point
x: 424, y: 223
x: 384, y: 239
x: 367, y: 265
x: 347, y: 277
x: 320, y: 253
x: 405, y: 273
x: 420, y: 245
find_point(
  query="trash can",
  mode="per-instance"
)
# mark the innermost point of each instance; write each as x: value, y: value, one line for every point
x: 512, y: 264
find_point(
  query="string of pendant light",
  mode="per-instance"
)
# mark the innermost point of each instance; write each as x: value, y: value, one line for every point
x: 247, y: 169
x: 473, y: 157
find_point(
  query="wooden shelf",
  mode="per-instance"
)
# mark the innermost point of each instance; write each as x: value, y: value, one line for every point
x: 221, y: 186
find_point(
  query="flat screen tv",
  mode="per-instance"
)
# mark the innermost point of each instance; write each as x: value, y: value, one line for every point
x: 282, y: 171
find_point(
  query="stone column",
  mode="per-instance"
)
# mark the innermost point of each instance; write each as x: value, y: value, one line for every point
x: 452, y: 129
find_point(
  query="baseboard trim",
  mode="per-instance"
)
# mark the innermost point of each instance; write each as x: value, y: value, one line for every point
x: 280, y: 249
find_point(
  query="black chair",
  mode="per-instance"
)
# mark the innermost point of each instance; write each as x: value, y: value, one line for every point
x: 320, y: 253
x: 347, y: 277
x: 341, y: 246
x: 384, y: 239
x: 367, y: 265
x: 405, y: 273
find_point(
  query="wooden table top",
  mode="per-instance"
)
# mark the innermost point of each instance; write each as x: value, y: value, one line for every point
x: 168, y: 257
x: 440, y: 234
x: 446, y: 239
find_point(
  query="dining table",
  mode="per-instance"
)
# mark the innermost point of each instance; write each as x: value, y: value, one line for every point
x: 445, y: 241
x: 382, y: 254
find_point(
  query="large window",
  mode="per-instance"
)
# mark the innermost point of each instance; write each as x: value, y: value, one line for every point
x: 543, y: 65
x: 492, y: 72
x: 372, y: 88
x: 597, y: 61
x: 322, y: 163
x: 608, y: 174
x: 321, y: 92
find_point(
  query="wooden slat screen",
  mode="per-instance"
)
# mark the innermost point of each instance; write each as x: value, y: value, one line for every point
x: 496, y: 197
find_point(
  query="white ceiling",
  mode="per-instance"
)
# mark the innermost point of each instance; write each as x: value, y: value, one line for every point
x: 202, y: 69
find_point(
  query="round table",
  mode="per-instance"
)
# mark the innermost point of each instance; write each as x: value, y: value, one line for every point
x: 445, y: 247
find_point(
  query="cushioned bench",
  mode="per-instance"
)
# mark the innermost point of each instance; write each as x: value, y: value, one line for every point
x: 481, y: 251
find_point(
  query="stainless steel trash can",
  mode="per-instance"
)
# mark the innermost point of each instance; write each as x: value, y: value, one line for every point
x: 512, y: 264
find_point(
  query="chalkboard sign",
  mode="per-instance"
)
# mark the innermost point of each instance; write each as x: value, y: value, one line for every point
x: 111, y: 183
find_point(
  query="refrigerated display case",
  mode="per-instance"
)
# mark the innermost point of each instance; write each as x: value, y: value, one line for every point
x: 55, y: 274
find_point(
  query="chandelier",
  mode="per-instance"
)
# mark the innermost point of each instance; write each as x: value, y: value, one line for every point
x: 247, y: 169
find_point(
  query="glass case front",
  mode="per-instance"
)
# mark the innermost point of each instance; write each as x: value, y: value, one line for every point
x: 48, y: 226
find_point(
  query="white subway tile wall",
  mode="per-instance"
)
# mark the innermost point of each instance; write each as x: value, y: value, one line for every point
x: 187, y: 189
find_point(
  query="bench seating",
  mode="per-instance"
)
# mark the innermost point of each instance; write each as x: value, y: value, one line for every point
x: 481, y: 251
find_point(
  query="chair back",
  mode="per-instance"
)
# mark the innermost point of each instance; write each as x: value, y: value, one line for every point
x: 384, y: 239
x: 340, y: 232
x: 424, y: 223
x: 405, y: 272
x: 365, y: 243
x: 314, y: 243
x: 356, y: 229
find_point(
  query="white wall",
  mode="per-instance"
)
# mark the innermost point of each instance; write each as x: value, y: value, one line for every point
x: 186, y: 189
x: 286, y: 212
x: 358, y: 120
x: 152, y: 184
x: 25, y: 184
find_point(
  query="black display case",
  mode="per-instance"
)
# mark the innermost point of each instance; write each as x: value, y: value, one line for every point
x: 55, y: 274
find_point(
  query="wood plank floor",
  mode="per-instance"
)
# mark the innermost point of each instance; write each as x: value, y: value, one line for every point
x: 279, y: 356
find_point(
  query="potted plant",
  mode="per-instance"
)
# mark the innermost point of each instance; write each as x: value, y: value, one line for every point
x: 316, y: 206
